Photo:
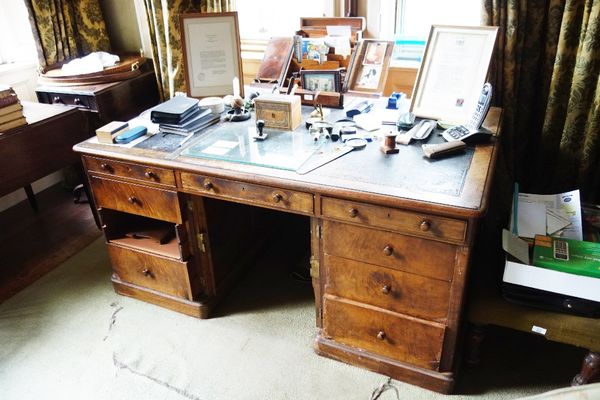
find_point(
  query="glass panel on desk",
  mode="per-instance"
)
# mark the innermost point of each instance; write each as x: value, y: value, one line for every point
x: 233, y: 142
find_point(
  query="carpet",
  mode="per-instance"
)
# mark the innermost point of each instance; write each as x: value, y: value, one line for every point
x: 69, y: 336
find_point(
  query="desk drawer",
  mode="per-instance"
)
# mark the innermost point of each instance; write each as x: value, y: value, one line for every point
x: 136, y: 199
x: 413, y: 223
x: 387, y: 288
x: 384, y: 333
x: 133, y: 171
x: 405, y: 253
x: 249, y: 193
x: 150, y: 271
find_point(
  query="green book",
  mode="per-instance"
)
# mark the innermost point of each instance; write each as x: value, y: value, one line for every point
x: 567, y: 255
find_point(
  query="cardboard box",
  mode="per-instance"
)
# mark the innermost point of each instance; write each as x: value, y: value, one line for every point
x: 106, y: 134
x: 279, y: 111
x: 566, y: 255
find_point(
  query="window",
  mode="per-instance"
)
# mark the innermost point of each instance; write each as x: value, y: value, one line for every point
x: 16, y: 38
x: 263, y: 19
x: 415, y: 17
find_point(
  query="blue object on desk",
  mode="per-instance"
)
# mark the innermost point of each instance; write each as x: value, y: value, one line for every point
x: 131, y: 134
x: 361, y: 108
x: 394, y: 100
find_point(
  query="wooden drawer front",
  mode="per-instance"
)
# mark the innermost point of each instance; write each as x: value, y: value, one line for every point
x: 390, y: 218
x: 387, y: 288
x: 384, y: 333
x: 132, y: 171
x: 250, y: 193
x: 71, y: 99
x: 136, y: 199
x: 405, y: 253
x: 150, y: 271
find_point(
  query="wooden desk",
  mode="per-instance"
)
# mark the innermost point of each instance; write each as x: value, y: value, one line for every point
x: 391, y: 238
x: 44, y: 145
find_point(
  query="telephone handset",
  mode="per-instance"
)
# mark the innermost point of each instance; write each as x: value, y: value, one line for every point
x: 472, y: 132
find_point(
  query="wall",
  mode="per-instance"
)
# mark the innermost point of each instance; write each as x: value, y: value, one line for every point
x: 122, y: 25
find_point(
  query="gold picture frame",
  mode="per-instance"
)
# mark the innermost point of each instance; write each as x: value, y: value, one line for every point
x: 211, y: 54
x: 453, y: 71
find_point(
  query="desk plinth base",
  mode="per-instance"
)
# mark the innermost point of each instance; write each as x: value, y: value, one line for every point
x: 441, y: 382
x: 191, y: 308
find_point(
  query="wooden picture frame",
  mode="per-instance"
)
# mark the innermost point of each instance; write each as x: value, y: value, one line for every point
x: 453, y: 71
x: 321, y: 80
x: 211, y: 54
x: 368, y: 69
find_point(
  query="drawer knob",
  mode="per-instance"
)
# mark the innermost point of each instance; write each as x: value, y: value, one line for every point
x: 150, y: 175
x: 381, y: 335
x: 353, y: 212
x: 425, y: 225
x: 208, y: 185
x: 277, y: 197
x: 132, y: 199
x: 77, y: 101
x: 386, y: 289
x: 146, y: 272
x: 57, y: 100
x: 105, y: 167
x: 388, y: 250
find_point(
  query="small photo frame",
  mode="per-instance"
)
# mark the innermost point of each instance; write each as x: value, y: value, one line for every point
x: 321, y: 80
x: 211, y: 54
x: 368, y: 69
x: 452, y: 73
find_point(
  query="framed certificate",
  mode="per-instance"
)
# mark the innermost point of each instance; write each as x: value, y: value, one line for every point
x: 211, y: 54
x: 453, y: 71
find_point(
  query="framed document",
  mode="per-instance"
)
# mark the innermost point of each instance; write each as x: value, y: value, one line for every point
x: 321, y: 80
x: 453, y: 71
x: 211, y: 54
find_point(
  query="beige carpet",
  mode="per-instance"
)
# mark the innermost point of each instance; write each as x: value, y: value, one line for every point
x: 69, y: 336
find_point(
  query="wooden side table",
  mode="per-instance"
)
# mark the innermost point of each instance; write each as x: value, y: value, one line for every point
x: 106, y: 102
x: 44, y: 145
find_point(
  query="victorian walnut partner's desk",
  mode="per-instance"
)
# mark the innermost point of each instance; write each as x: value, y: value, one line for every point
x: 390, y: 236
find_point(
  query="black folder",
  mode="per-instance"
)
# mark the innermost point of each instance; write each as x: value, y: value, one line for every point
x: 173, y: 111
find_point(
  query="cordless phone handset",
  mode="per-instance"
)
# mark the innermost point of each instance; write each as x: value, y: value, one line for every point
x: 472, y: 132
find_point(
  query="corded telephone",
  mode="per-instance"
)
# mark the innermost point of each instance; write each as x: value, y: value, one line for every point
x: 472, y: 131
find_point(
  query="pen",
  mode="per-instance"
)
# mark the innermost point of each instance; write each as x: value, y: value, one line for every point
x: 187, y: 138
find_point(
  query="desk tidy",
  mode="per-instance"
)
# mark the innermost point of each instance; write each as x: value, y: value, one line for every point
x: 390, y: 242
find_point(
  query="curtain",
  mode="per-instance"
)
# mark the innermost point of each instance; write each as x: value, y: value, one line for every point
x: 545, y: 73
x: 66, y: 29
x: 165, y: 36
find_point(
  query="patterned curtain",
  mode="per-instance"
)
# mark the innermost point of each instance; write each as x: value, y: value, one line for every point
x: 165, y: 35
x: 66, y: 29
x: 545, y: 73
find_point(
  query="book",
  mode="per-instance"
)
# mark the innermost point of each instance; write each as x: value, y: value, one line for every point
x: 6, y: 91
x: 196, y: 126
x: 8, y: 109
x: 173, y: 111
x: 567, y: 255
x: 8, y: 100
x: 12, y: 124
x: 11, y: 116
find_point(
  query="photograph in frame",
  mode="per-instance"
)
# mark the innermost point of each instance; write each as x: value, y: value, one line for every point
x: 321, y: 80
x: 211, y: 54
x: 368, y: 68
x: 452, y: 73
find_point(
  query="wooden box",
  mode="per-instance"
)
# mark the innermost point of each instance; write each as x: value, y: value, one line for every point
x: 279, y: 111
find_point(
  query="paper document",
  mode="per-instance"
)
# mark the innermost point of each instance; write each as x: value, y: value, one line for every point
x: 531, y: 219
x: 562, y: 206
x: 515, y: 247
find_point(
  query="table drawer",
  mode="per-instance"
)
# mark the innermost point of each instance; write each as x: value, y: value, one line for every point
x: 133, y: 171
x: 384, y: 333
x: 150, y: 271
x: 413, y: 223
x: 387, y: 288
x: 249, y: 193
x: 136, y: 199
x: 405, y: 253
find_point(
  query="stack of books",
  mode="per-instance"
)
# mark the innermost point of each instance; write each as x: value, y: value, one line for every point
x: 182, y: 116
x: 11, y: 110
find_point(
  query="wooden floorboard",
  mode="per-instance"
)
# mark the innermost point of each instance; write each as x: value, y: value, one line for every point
x: 32, y: 245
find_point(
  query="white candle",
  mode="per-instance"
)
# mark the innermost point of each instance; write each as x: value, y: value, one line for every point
x: 236, y: 86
